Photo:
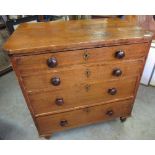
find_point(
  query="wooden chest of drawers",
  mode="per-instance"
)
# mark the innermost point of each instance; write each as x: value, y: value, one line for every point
x: 78, y: 72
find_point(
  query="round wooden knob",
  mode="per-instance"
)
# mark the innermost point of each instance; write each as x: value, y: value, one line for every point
x: 117, y: 72
x: 55, y: 81
x: 109, y: 112
x: 112, y: 91
x: 59, y: 101
x: 63, y: 123
x: 120, y: 54
x: 52, y: 62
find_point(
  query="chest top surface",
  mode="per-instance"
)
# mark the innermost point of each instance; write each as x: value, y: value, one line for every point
x: 32, y: 38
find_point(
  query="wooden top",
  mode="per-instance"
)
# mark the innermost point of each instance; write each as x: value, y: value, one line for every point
x: 69, y: 35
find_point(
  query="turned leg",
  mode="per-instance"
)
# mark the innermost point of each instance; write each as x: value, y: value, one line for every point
x: 123, y: 119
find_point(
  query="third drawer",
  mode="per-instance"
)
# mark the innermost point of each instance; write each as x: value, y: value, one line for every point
x: 87, y: 94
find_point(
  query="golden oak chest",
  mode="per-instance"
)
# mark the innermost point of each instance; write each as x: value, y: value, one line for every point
x: 78, y: 72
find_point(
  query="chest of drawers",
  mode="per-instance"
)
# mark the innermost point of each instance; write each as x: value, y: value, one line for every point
x: 78, y: 72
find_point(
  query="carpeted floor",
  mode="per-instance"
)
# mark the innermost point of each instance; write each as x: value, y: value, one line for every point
x: 16, y: 121
x: 4, y: 59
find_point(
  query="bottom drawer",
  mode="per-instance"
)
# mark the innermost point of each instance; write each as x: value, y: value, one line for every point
x: 66, y: 120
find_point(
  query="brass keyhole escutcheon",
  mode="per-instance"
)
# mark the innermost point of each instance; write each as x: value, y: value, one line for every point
x: 88, y: 73
x: 87, y: 87
x: 86, y: 55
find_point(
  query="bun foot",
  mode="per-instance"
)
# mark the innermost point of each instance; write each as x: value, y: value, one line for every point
x: 47, y: 137
x: 123, y: 119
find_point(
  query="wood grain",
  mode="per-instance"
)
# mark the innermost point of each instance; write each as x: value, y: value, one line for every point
x: 44, y: 102
x: 74, y: 76
x: 57, y: 36
x: 84, y: 56
x: 38, y: 63
x: 51, y: 123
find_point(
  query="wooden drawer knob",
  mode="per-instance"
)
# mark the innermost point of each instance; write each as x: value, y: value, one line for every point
x: 112, y: 91
x: 55, y: 81
x: 63, y: 123
x: 120, y: 54
x: 59, y: 101
x: 109, y: 112
x: 117, y: 72
x: 52, y: 62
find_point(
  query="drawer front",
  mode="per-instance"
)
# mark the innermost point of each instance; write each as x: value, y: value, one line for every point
x: 74, y: 76
x: 75, y: 118
x: 38, y: 63
x: 84, y: 95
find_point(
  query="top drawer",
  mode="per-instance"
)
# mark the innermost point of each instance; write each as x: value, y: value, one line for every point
x: 36, y: 63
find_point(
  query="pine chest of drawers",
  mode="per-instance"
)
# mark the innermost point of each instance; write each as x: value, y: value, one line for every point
x: 76, y: 73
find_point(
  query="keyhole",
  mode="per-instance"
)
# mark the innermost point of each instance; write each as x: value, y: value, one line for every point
x: 88, y: 72
x: 86, y: 56
x: 87, y: 87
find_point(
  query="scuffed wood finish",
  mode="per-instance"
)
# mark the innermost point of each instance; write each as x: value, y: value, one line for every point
x: 44, y: 102
x: 79, y: 75
x: 88, y: 70
x: 38, y: 63
x: 78, y: 72
x: 52, y: 123
x: 40, y: 37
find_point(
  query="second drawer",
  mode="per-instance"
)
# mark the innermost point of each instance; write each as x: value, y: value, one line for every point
x: 73, y: 76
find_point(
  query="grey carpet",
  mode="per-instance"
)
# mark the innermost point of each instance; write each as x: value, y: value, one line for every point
x: 16, y: 121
